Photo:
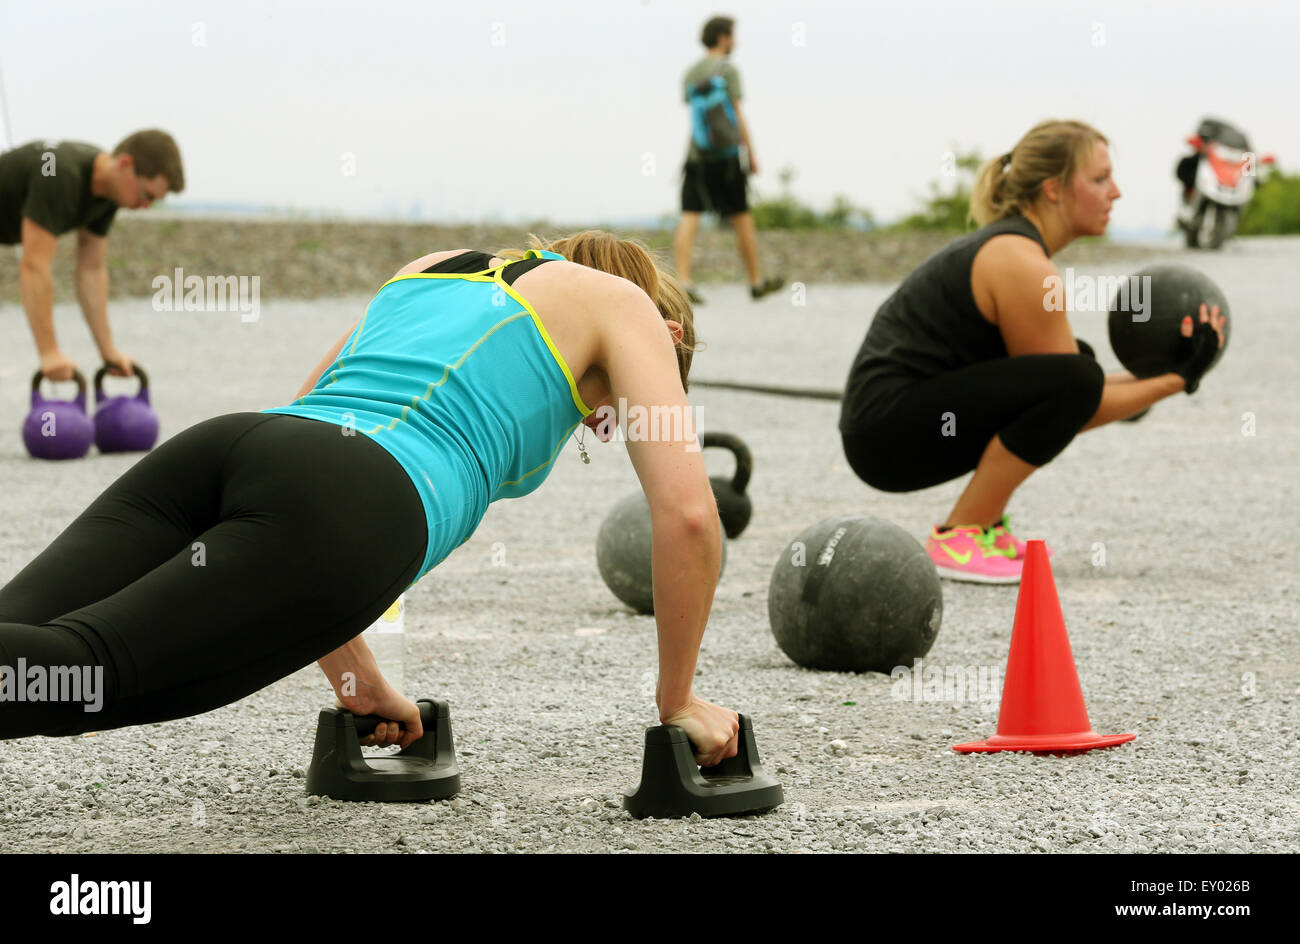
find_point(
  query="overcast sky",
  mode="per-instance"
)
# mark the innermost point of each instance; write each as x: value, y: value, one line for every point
x: 571, y: 109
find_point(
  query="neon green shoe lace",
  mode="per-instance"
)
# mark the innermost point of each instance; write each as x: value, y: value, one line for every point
x: 985, y: 540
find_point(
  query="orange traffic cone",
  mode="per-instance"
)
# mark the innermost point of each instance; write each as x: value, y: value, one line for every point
x: 1042, y: 703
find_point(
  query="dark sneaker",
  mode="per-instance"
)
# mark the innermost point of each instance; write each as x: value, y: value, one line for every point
x: 769, y: 285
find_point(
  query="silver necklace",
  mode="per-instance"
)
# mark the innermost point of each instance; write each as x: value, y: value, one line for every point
x: 582, y: 450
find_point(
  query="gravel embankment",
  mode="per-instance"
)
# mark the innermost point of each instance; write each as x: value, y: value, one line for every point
x: 321, y: 259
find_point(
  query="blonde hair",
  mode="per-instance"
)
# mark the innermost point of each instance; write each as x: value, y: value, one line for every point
x: 1009, y: 185
x: 628, y: 259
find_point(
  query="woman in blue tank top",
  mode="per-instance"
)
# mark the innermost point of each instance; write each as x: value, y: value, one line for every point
x: 281, y: 535
x: 971, y: 364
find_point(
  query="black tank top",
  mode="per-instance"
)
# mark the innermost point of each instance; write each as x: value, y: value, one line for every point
x: 472, y: 261
x: 929, y: 326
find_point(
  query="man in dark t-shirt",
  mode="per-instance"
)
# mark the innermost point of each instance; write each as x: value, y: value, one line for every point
x: 49, y: 188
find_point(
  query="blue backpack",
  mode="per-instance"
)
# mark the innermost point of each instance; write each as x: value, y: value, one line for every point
x: 714, y: 127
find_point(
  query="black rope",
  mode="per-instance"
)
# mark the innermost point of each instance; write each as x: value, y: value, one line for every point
x: 807, y: 393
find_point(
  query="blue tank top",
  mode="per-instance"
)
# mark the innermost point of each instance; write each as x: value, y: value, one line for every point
x: 454, y: 374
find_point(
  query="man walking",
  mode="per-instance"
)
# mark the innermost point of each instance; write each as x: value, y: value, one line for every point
x: 51, y: 188
x: 713, y: 179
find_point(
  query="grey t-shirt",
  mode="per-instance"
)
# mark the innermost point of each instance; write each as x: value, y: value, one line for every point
x: 705, y: 68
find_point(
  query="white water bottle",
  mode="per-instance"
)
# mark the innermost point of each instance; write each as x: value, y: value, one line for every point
x: 386, y: 638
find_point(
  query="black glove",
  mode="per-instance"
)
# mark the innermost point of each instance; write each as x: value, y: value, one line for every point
x: 1085, y: 348
x: 1195, y: 354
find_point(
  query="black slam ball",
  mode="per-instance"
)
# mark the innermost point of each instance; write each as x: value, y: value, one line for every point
x: 1146, y: 313
x: 855, y: 594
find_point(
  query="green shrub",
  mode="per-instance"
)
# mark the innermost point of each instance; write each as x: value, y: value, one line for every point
x: 786, y: 212
x: 1275, y: 209
x: 947, y: 212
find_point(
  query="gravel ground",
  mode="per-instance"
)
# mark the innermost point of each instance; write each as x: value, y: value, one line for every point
x: 1185, y: 634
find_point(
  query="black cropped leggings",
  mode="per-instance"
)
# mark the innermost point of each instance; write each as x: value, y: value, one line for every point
x: 935, y: 430
x: 234, y: 554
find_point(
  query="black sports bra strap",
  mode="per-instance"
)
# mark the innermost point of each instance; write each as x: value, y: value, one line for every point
x: 472, y: 262
x: 468, y: 262
x: 512, y: 270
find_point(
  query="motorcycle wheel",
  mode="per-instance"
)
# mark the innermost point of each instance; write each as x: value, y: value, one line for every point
x: 1225, y: 224
x: 1192, y: 227
x: 1207, y: 224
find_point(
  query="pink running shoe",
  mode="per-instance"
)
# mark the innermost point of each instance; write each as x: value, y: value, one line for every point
x: 1005, y: 540
x: 969, y: 553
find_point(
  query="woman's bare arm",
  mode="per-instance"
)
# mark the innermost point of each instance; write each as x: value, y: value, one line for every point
x: 639, y: 358
x: 1123, y: 399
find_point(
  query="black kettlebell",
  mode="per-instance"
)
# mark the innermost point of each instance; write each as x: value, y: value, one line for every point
x: 734, y: 506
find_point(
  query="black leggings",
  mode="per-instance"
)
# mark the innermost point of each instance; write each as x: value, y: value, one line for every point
x: 237, y: 552
x: 937, y: 429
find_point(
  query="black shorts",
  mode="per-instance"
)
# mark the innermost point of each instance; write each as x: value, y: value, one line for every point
x: 717, y: 186
x: 934, y: 430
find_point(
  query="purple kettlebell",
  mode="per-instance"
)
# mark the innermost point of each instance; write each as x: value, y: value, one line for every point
x: 58, y: 429
x: 124, y: 424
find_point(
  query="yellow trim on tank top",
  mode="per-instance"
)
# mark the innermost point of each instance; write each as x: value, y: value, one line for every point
x: 509, y: 290
x: 361, y: 325
x: 546, y: 337
x: 446, y: 372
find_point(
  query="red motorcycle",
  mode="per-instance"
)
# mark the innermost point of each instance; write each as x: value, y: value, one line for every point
x: 1218, y: 181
